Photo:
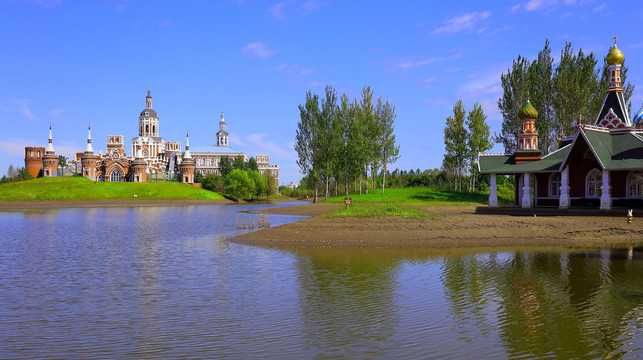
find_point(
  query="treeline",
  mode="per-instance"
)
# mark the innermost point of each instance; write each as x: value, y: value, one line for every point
x: 465, y: 135
x: 15, y: 174
x: 571, y: 90
x: 238, y: 179
x: 340, y: 141
x: 432, y: 178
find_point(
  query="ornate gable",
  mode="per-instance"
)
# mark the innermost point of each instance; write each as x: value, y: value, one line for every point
x: 611, y: 120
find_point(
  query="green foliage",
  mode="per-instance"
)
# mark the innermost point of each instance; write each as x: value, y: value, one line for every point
x: 238, y: 163
x: 79, y: 188
x: 271, y: 184
x: 456, y: 152
x: 252, y: 164
x: 573, y: 89
x: 239, y: 185
x: 259, y: 182
x: 381, y: 210
x: 478, y: 139
x: 213, y: 182
x: 225, y: 166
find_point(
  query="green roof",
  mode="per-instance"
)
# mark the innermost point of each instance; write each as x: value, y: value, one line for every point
x: 506, y: 164
x: 613, y: 151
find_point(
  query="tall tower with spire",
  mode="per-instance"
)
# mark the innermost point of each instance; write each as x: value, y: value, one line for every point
x: 528, y: 135
x: 89, y: 161
x: 148, y: 121
x: 222, y: 134
x: 187, y: 166
x: 613, y: 113
x: 49, y: 160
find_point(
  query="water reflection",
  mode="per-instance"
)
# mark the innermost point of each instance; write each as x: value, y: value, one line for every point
x: 158, y: 283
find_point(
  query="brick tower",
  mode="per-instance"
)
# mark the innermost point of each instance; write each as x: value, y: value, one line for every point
x: 187, y: 166
x: 49, y: 160
x: 138, y: 165
x: 33, y: 159
x: 89, y: 161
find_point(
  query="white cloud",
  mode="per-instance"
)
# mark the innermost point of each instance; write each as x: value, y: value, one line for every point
x: 515, y: 8
x: 260, y: 141
x: 599, y: 8
x: 57, y: 113
x: 20, y: 106
x: 405, y: 64
x: 236, y: 139
x: 465, y: 22
x: 258, y: 49
x: 276, y: 12
x: 13, y: 148
x: 315, y: 83
x: 307, y: 71
x: 45, y: 3
x: 164, y: 23
x: 310, y: 6
x: 534, y: 4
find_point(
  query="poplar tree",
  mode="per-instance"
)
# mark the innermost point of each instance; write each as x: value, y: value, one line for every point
x: 478, y: 139
x: 307, y: 140
x: 388, y: 150
x: 456, y: 151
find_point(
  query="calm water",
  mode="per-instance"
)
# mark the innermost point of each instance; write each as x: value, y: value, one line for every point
x: 160, y: 282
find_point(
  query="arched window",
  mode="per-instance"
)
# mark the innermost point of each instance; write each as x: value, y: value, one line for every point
x: 554, y: 185
x: 145, y: 153
x: 635, y: 184
x: 147, y: 129
x: 115, y: 176
x: 153, y: 129
x: 594, y: 181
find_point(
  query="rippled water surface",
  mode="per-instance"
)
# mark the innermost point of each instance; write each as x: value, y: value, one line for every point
x: 161, y: 282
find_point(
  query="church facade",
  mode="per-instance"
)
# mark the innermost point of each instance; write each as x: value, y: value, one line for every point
x: 151, y: 155
x: 601, y: 166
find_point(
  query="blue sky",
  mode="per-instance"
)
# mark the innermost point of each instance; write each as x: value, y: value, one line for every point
x: 74, y: 62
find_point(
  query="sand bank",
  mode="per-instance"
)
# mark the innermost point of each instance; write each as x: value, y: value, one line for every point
x: 460, y: 227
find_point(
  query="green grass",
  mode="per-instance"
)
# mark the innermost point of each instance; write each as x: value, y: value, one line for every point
x: 409, y: 202
x: 78, y: 188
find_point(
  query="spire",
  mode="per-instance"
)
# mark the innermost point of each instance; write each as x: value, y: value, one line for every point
x: 148, y: 99
x: 50, y: 146
x: 88, y: 148
x: 187, y: 147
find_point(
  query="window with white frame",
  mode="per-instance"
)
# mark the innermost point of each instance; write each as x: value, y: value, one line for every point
x: 554, y: 185
x: 635, y: 184
x: 594, y: 181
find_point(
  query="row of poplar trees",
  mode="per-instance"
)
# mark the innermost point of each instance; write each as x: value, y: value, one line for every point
x: 563, y: 93
x: 465, y: 135
x: 342, y: 139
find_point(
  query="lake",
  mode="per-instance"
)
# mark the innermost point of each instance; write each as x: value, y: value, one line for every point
x: 161, y: 282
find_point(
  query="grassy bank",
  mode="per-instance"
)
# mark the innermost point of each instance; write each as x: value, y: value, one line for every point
x: 409, y: 202
x: 80, y: 189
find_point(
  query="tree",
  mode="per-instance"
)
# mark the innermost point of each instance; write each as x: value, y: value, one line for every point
x: 62, y: 162
x: 478, y: 139
x: 258, y: 181
x: 326, y: 151
x: 225, y: 166
x: 11, y: 172
x: 23, y: 174
x: 239, y: 185
x: 307, y: 140
x: 514, y: 85
x: 271, y: 183
x: 388, y: 150
x: 239, y: 163
x: 455, y: 141
x: 252, y: 164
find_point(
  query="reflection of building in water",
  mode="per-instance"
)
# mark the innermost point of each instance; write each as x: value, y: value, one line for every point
x: 150, y: 155
x: 600, y: 165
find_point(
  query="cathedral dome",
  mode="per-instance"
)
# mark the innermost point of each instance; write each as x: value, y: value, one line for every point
x: 638, y: 117
x: 149, y: 113
x: 615, y: 56
x: 528, y: 112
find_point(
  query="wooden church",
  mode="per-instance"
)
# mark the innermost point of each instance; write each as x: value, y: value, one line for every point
x: 601, y: 166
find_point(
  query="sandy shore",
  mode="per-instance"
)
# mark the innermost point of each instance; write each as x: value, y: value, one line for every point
x: 460, y: 227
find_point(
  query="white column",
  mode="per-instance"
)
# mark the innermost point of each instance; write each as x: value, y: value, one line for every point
x: 606, y: 192
x: 493, y: 195
x: 526, y: 191
x: 563, y: 201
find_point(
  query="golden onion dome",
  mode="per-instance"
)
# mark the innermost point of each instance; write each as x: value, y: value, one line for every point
x: 528, y: 112
x: 615, y: 56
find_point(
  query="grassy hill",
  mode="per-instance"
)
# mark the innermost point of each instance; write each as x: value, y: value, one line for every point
x: 78, y: 188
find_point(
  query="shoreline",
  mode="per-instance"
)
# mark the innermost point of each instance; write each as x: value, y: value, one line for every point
x: 460, y: 227
x: 115, y: 203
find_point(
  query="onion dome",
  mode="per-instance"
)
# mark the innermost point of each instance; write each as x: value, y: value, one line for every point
x: 638, y: 117
x: 615, y: 56
x: 528, y: 112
